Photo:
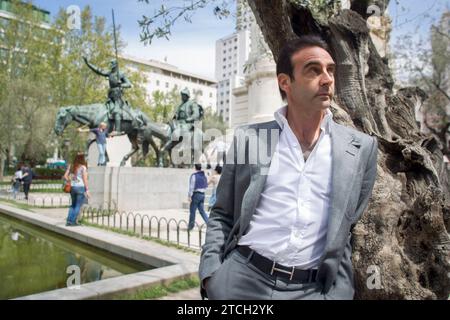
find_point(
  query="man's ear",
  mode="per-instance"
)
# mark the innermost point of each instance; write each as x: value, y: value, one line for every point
x: 284, y: 82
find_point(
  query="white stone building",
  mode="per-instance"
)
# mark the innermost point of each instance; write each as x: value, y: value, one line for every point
x: 251, y: 95
x: 231, y: 55
x: 165, y: 77
x: 6, y: 15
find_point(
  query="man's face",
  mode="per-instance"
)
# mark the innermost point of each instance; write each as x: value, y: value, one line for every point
x: 184, y: 97
x: 313, y: 84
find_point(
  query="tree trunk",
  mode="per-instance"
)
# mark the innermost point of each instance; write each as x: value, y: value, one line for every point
x: 2, y: 164
x: 8, y: 157
x: 404, y: 231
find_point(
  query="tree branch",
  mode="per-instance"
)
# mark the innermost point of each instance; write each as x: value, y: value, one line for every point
x: 436, y: 85
x: 438, y: 31
x: 167, y: 20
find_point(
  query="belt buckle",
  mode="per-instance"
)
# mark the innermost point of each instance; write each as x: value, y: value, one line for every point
x: 291, y: 273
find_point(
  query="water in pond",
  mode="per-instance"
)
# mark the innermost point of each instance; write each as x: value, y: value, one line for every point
x: 34, y: 260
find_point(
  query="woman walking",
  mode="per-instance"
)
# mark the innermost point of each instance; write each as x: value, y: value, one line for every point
x: 78, y: 177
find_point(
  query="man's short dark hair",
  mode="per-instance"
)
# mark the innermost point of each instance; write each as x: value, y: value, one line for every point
x: 198, y: 166
x: 284, y: 62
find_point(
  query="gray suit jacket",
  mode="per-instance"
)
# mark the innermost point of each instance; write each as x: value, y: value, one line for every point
x: 354, y: 165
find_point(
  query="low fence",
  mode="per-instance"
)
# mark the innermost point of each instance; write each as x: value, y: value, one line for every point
x: 49, y: 201
x: 144, y: 225
x: 57, y: 187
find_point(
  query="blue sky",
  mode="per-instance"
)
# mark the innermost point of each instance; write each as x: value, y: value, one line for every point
x: 415, y: 16
x: 192, y: 46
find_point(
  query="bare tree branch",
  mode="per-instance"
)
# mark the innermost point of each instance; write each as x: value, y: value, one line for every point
x: 434, y: 83
x: 167, y: 17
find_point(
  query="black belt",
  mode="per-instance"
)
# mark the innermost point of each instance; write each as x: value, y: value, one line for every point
x: 274, y: 269
x: 198, y: 192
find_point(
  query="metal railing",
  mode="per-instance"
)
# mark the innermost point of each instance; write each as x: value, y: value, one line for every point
x: 50, y: 201
x: 47, y: 186
x: 143, y: 225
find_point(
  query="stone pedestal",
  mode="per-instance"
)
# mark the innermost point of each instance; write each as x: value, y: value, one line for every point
x: 259, y: 98
x: 133, y: 189
x: 263, y: 93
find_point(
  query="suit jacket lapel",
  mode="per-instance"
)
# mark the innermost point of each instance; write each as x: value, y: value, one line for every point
x: 345, y: 152
x: 258, y: 171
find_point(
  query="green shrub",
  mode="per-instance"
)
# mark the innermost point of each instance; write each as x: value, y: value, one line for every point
x: 10, y: 171
x: 48, y: 174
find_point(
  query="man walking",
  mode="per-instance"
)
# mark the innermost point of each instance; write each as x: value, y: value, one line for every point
x: 281, y: 229
x: 198, y: 183
x: 27, y: 178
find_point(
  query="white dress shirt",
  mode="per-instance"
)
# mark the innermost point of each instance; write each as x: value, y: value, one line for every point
x: 290, y: 221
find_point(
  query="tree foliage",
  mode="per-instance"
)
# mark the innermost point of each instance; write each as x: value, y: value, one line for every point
x: 427, y: 63
x: 43, y: 70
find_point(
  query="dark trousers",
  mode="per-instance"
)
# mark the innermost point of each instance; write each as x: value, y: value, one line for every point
x: 238, y: 279
x: 197, y: 202
x: 26, y: 189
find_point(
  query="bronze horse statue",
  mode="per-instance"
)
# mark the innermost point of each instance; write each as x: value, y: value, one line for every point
x: 136, y: 125
x: 139, y: 129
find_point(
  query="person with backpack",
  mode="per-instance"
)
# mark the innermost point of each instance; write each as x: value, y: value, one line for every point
x: 198, y: 183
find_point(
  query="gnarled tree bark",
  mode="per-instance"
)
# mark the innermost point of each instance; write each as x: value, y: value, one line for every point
x: 404, y: 231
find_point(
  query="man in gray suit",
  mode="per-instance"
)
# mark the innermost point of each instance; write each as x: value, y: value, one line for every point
x: 290, y: 193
